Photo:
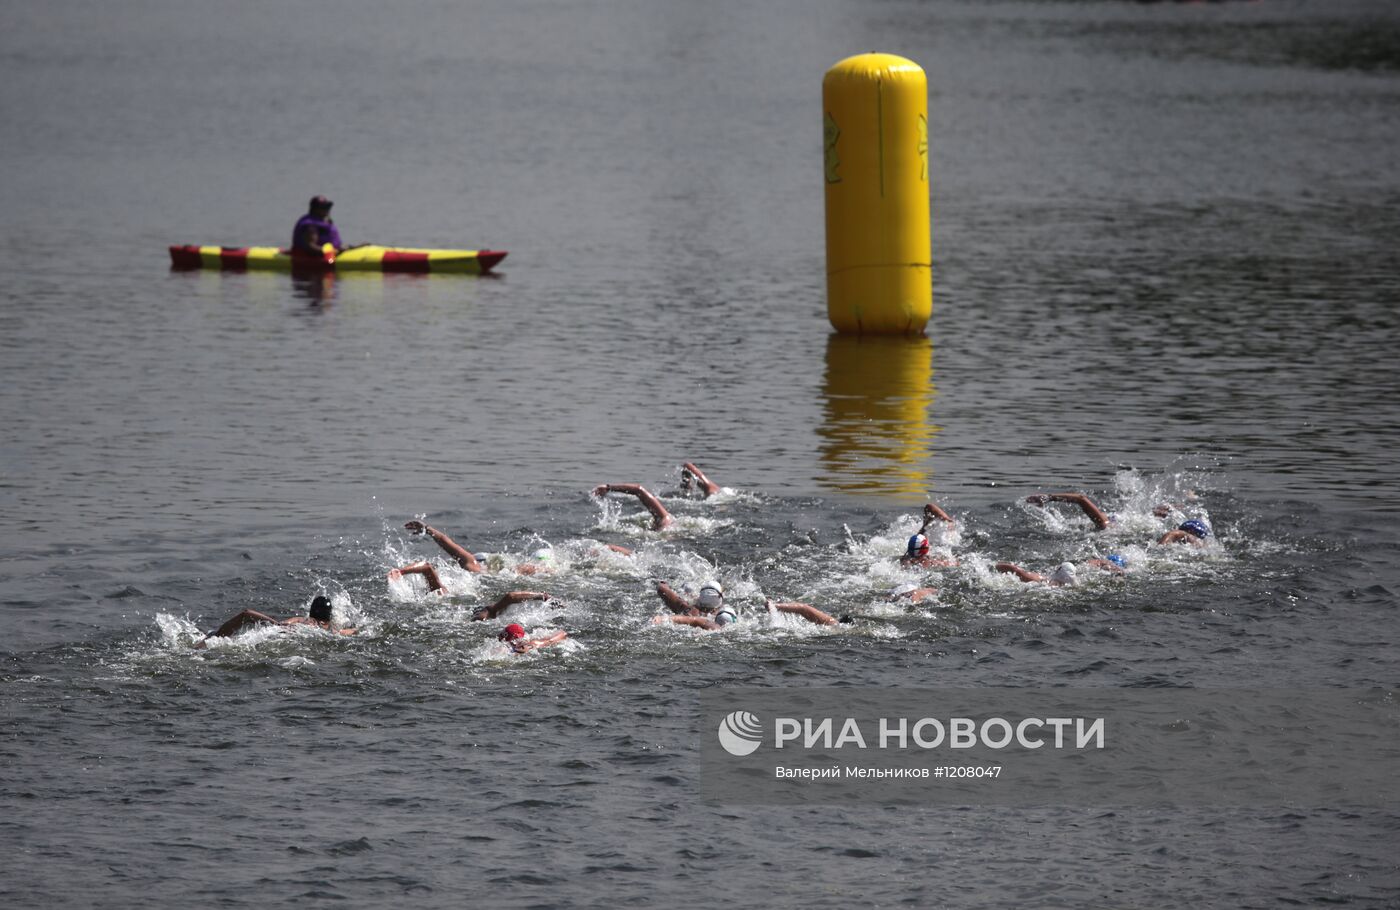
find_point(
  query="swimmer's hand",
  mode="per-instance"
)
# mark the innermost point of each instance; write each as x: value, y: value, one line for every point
x: 416, y: 527
x: 1039, y: 499
x: 602, y: 490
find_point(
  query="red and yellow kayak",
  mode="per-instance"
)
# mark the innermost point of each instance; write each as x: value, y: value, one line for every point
x: 368, y: 258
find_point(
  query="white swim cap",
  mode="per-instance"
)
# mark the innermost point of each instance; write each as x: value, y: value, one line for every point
x: 725, y: 615
x: 543, y: 554
x: 1065, y: 575
x: 711, y: 595
x: 901, y: 590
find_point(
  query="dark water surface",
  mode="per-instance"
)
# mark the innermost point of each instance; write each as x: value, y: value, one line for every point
x: 1165, y: 265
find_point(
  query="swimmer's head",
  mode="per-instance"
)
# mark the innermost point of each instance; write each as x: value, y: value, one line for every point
x: 918, y: 547
x: 1118, y: 559
x: 1064, y: 575
x: 711, y: 596
x: 543, y: 554
x: 512, y: 632
x: 903, y: 590
x: 1196, y: 528
x: 725, y: 615
x: 320, y: 608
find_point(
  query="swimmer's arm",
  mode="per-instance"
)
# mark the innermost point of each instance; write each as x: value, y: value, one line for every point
x: 932, y: 511
x: 616, y: 549
x: 1178, y: 536
x: 1106, y: 566
x: 543, y: 642
x: 658, y: 511
x: 698, y: 622
x: 674, y: 602
x: 1011, y: 568
x: 507, y: 601
x: 245, y: 618
x: 806, y: 611
x: 421, y: 568
x: 709, y: 487
x: 1090, y: 508
x: 458, y: 552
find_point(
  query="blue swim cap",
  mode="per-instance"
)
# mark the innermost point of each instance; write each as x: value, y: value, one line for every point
x: 1195, y: 527
x: 1118, y: 560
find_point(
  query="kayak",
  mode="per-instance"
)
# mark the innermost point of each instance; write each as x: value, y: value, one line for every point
x: 367, y: 258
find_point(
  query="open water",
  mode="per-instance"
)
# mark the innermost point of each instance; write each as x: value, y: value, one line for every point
x: 1165, y: 245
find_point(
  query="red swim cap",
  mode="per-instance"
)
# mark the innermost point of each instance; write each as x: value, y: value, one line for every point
x: 511, y: 632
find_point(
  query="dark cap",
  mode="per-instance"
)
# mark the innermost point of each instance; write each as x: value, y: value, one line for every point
x: 320, y: 608
x: 320, y: 202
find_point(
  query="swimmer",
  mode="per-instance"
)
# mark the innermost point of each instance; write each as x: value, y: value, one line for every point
x: 917, y: 552
x: 932, y: 511
x: 475, y: 563
x: 318, y: 615
x: 507, y: 601
x: 693, y: 478
x: 1098, y: 516
x: 910, y: 592
x: 1193, y: 531
x: 722, y: 617
x: 513, y: 636
x: 465, y: 558
x: 806, y: 611
x: 661, y: 519
x: 1113, y: 563
x: 710, y: 599
x: 543, y: 562
x: 1064, y: 576
x: 420, y: 568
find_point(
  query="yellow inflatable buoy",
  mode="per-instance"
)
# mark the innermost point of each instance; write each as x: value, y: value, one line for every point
x: 878, y: 259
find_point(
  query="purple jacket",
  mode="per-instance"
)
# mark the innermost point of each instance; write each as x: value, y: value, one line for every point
x: 311, y: 232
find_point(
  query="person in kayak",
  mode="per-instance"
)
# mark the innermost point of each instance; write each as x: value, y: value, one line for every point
x: 315, y: 229
x: 318, y: 615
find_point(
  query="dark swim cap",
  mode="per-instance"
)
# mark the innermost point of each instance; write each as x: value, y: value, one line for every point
x: 320, y: 608
x: 1196, y: 528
